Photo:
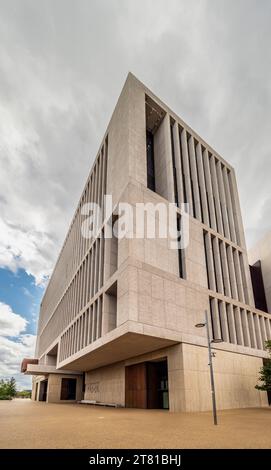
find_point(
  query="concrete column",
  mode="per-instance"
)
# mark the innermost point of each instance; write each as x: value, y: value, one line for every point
x: 83, y: 239
x: 89, y: 336
x: 78, y: 235
x: 210, y: 263
x: 85, y: 329
x: 216, y: 195
x: 70, y: 341
x: 238, y: 275
x: 66, y: 344
x: 99, y: 318
x: 231, y: 322
x: 267, y: 327
x: 78, y: 334
x: 92, y: 192
x: 236, y: 210
x: 101, y: 261
x: 202, y: 186
x: 223, y: 200
x: 259, y: 340
x: 89, y: 276
x: 163, y: 161
x: 246, y: 334
x: 104, y: 174
x: 232, y: 273
x: 238, y: 325
x: 93, y: 269
x: 187, y: 171
x: 86, y: 280
x: 210, y: 196
x: 247, y: 284
x: 224, y: 262
x: 223, y: 322
x: 97, y: 270
x: 81, y: 285
x: 262, y: 328
x: 73, y: 338
x: 229, y: 205
x: 74, y: 297
x: 82, y: 318
x: 94, y: 321
x: 100, y: 187
x: 194, y: 175
x: 84, y: 283
x: 178, y: 162
x: 251, y: 328
x: 215, y: 318
x: 218, y: 271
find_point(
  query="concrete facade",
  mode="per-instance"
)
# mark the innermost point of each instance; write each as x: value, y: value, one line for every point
x: 112, y: 303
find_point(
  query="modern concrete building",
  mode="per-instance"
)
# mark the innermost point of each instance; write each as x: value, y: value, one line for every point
x: 117, y: 321
x: 260, y: 266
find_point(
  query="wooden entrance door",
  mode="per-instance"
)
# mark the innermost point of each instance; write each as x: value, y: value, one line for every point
x: 136, y: 386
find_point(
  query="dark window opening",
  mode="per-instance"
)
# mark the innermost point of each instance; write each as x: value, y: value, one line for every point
x: 214, y: 264
x: 150, y: 161
x: 208, y: 208
x: 222, y: 267
x: 181, y: 257
x: 215, y: 212
x: 222, y: 220
x: 228, y: 317
x: 220, y: 319
x: 211, y: 300
x: 68, y: 389
x: 205, y: 235
x: 258, y: 286
x: 43, y: 390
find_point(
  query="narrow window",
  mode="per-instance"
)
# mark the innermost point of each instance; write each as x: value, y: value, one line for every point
x: 205, y: 235
x: 150, y: 161
x: 181, y: 256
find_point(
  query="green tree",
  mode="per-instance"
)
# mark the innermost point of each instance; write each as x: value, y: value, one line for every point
x: 12, y: 387
x: 265, y: 371
x: 7, y: 389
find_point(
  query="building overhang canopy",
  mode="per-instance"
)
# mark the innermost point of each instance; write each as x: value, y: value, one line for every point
x: 26, y: 362
x: 43, y: 369
x: 125, y: 342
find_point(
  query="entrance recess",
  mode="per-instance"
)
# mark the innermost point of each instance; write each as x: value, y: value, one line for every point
x: 43, y: 390
x: 146, y: 385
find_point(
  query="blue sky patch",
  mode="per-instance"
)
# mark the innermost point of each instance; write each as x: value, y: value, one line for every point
x: 20, y: 292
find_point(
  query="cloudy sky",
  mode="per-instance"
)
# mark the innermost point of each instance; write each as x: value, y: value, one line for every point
x: 62, y: 66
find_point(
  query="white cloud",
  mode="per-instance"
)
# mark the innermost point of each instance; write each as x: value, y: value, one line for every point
x: 14, y: 345
x: 11, y: 324
x: 12, y: 353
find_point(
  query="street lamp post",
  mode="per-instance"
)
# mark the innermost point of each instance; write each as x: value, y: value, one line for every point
x: 201, y: 325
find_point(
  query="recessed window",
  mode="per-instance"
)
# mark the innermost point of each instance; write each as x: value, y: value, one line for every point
x: 68, y: 389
